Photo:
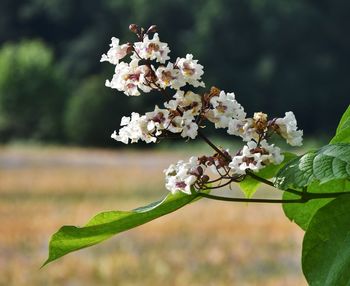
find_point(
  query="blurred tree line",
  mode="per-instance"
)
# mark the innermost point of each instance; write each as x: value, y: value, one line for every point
x: 276, y: 55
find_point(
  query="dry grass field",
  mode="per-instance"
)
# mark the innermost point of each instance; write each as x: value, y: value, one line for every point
x: 206, y: 243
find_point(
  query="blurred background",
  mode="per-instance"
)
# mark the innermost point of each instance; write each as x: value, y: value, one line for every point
x: 276, y: 55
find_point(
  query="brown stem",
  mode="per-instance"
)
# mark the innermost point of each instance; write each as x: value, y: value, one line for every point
x: 212, y: 145
x: 304, y: 199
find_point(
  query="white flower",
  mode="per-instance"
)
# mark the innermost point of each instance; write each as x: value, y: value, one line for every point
x: 189, y: 127
x: 135, y: 129
x: 240, y: 164
x: 169, y: 77
x: 158, y: 120
x: 178, y: 176
x: 116, y: 52
x: 152, y: 49
x: 175, y: 125
x: 187, y: 101
x: 224, y: 108
x: 287, y: 128
x: 255, y: 158
x: 184, y: 124
x: 271, y: 154
x: 129, y: 78
x: 191, y: 70
x: 243, y: 128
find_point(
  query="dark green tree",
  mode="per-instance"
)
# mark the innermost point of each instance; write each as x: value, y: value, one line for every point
x: 32, y: 92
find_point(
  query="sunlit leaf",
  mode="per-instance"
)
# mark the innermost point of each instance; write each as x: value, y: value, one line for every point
x: 302, y: 213
x: 107, y: 224
x: 326, y: 245
x: 342, y: 134
x: 345, y: 117
x: 331, y: 162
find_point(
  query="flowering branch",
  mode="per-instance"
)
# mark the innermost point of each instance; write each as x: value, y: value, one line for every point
x: 150, y: 69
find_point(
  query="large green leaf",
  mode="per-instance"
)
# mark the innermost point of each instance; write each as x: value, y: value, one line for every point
x: 250, y: 185
x: 326, y: 245
x: 302, y: 213
x: 344, y: 118
x: 342, y: 134
x: 107, y: 224
x: 331, y: 162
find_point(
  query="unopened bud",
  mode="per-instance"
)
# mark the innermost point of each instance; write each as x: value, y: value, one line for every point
x: 205, y: 178
x: 260, y: 121
x: 133, y: 28
x: 271, y: 124
x: 211, y: 161
x: 129, y: 48
x: 260, y: 116
x: 214, y: 91
x: 203, y: 159
x: 152, y: 29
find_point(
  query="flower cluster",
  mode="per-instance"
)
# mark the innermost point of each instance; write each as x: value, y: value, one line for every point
x: 254, y: 157
x: 185, y: 111
x: 182, y: 175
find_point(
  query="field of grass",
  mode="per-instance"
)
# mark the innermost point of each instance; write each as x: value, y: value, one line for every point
x: 206, y: 243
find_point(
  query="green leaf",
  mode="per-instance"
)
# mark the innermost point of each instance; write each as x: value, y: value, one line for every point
x: 107, y: 224
x: 302, y: 213
x: 331, y: 162
x: 344, y: 118
x: 250, y: 185
x: 342, y: 134
x: 326, y: 245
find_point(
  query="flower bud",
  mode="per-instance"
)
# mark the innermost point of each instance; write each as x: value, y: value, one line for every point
x: 133, y: 28
x: 129, y: 48
x: 203, y: 159
x: 152, y: 29
x: 205, y: 178
x: 260, y: 121
x: 214, y: 91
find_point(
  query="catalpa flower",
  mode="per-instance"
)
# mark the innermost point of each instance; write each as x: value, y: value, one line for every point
x: 255, y: 157
x: 169, y: 77
x: 158, y: 120
x: 189, y: 126
x: 224, y: 108
x: 186, y: 101
x: 135, y: 129
x: 116, y: 52
x: 287, y: 128
x: 191, y: 70
x: 178, y: 177
x: 183, y: 123
x: 129, y: 78
x: 152, y: 49
x: 243, y: 128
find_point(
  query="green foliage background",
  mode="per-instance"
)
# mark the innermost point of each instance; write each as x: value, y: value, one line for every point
x: 277, y: 55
